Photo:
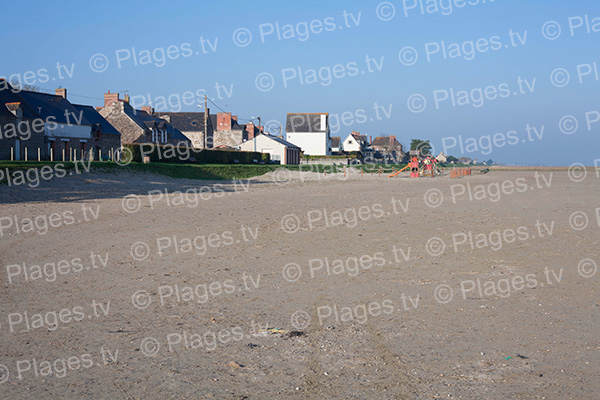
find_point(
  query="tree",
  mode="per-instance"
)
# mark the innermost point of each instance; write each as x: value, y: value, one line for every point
x: 422, y: 145
x: 451, y: 159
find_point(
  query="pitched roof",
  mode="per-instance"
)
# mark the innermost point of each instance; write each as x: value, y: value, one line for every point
x: 279, y: 140
x: 95, y: 118
x: 184, y: 121
x: 147, y: 122
x: 305, y: 122
x: 57, y: 107
x: 8, y: 95
x: 335, y: 141
x: 384, y: 141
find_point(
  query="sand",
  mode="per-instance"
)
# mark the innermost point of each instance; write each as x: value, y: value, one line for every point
x: 310, y: 287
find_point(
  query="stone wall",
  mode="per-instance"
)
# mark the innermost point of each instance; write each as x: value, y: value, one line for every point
x: 228, y: 138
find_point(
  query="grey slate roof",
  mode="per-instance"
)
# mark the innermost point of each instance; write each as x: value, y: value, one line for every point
x: 384, y: 141
x: 8, y: 95
x: 304, y: 122
x: 147, y: 121
x: 49, y: 105
x: 185, y: 121
x: 94, y: 117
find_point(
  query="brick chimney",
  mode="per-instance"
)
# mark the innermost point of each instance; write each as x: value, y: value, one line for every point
x: 61, y: 92
x: 250, y: 129
x: 370, y: 138
x: 110, y: 98
x: 392, y: 140
x: 148, y: 109
x: 223, y: 121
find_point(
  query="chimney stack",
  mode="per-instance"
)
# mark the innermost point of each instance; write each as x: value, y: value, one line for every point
x: 110, y: 98
x: 250, y: 129
x: 61, y: 92
x: 392, y: 140
x: 148, y: 109
x: 224, y: 121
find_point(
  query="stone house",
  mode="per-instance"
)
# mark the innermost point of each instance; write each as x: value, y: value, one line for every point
x: 389, y: 148
x: 190, y: 124
x: 139, y: 126
x: 229, y: 132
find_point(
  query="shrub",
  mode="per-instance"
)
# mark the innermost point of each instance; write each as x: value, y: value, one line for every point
x: 179, y: 154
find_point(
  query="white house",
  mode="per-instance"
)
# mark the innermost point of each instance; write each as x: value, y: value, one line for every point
x: 310, y: 131
x: 279, y: 149
x: 442, y: 158
x: 355, y: 142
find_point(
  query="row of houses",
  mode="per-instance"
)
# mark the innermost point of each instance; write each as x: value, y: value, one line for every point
x: 43, y: 126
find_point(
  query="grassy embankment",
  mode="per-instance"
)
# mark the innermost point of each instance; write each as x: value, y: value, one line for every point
x: 189, y: 171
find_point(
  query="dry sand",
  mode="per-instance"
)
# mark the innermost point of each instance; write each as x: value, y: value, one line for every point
x: 375, y: 331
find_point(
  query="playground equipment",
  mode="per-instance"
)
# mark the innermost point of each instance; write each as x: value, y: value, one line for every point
x: 426, y: 167
x: 397, y: 172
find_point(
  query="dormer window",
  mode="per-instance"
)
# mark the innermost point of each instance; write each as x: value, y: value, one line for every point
x: 15, y: 109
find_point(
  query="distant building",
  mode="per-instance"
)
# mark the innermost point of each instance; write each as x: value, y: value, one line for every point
x: 355, y: 142
x: 389, y: 148
x: 310, y: 131
x: 336, y: 144
x: 442, y: 158
x: 190, y: 124
x: 465, y: 160
x: 279, y: 149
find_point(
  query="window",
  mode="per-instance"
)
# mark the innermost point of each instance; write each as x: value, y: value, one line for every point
x: 153, y: 136
x: 163, y: 136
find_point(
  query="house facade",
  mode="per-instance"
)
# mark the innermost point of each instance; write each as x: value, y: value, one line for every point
x: 105, y: 139
x: 355, y: 142
x: 310, y: 131
x: 228, y: 132
x: 21, y: 127
x: 279, y: 149
x: 388, y: 148
x: 190, y: 124
x: 336, y: 144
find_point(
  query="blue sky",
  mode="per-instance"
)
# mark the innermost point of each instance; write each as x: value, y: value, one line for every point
x: 371, y: 97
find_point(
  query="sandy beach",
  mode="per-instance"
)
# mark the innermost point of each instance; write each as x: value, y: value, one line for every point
x: 301, y: 286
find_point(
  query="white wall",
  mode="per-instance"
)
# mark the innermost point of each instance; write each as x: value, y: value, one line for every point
x: 350, y: 144
x: 314, y: 144
x: 69, y: 131
x: 266, y: 145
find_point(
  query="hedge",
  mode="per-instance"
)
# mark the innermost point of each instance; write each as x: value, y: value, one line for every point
x: 180, y: 154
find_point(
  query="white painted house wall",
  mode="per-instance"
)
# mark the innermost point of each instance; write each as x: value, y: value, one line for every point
x: 350, y: 144
x: 314, y: 144
x: 266, y: 145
